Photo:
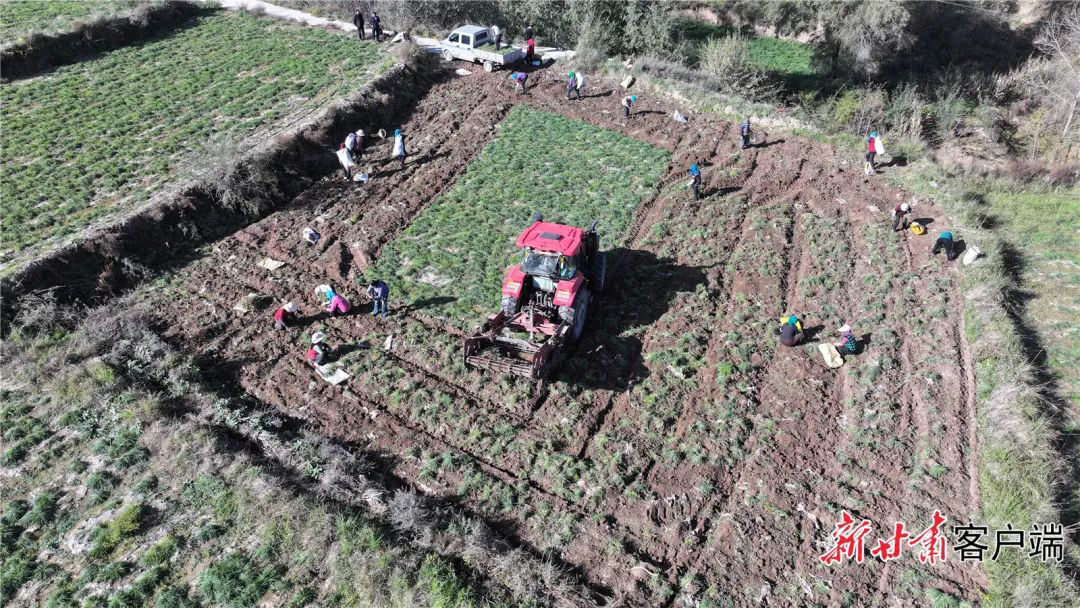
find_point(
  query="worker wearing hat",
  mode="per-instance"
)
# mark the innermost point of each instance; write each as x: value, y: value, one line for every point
x: 285, y: 316
x: 901, y: 217
x: 317, y: 352
x: 847, y: 344
x: 354, y: 143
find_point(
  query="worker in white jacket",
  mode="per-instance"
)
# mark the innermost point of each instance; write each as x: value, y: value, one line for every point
x: 399, y: 147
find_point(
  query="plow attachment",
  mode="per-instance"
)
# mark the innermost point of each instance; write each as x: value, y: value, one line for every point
x: 489, y: 349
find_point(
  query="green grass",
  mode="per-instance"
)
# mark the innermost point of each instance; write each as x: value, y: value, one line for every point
x: 1045, y: 225
x: 83, y: 140
x: 270, y: 544
x: 572, y: 172
x: 782, y: 57
x: 24, y: 16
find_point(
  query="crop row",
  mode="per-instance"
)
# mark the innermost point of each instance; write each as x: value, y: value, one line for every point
x: 26, y: 16
x: 571, y: 172
x: 84, y: 138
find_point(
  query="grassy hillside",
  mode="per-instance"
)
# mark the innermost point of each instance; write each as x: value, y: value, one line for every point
x: 24, y: 16
x: 118, y: 495
x: 87, y: 139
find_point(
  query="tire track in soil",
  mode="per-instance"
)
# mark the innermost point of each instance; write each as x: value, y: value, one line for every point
x: 719, y: 510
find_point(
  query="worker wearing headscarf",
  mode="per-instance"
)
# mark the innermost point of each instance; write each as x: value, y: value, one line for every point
x: 399, y: 147
x: 572, y: 86
x: 791, y: 331
x: 628, y: 105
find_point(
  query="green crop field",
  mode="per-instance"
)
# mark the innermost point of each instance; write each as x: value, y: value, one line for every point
x: 24, y: 16
x: 784, y: 57
x: 572, y: 172
x: 85, y: 139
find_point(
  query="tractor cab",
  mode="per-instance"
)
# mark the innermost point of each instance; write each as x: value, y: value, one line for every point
x: 547, y: 294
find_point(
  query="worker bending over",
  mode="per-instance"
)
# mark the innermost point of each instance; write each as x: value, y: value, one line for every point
x: 316, y: 353
x: 945, y: 241
x: 847, y: 344
x: 572, y: 87
x: 791, y: 331
x: 745, y: 134
x: 285, y: 316
x: 695, y: 180
x: 628, y: 105
x: 901, y: 217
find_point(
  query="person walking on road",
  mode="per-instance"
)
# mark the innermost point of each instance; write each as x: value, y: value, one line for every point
x: 945, y: 242
x: 901, y: 217
x: 496, y: 31
x: 695, y: 180
x: 791, y: 331
x: 572, y: 86
x: 745, y: 134
x: 358, y: 21
x: 519, y: 79
x: 399, y: 147
x: 379, y: 292
x: 628, y: 105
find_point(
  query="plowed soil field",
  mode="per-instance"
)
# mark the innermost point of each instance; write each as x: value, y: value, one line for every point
x: 679, y: 452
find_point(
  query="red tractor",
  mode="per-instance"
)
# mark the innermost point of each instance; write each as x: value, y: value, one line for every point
x: 546, y: 296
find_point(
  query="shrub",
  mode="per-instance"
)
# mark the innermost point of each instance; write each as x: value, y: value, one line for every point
x: 237, y: 581
x: 125, y: 525
x: 15, y: 571
x: 727, y: 62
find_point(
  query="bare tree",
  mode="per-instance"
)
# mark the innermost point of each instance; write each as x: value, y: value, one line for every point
x: 1055, y: 77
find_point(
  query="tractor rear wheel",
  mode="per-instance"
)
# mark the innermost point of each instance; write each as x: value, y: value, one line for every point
x: 576, y: 314
x: 600, y: 271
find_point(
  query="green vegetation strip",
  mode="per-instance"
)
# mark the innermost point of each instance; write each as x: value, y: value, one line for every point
x: 183, y: 522
x: 1018, y: 466
x: 85, y: 138
x: 777, y: 55
x: 458, y: 248
x: 19, y: 17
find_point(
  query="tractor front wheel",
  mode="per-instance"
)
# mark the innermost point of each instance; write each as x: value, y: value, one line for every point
x: 575, y: 315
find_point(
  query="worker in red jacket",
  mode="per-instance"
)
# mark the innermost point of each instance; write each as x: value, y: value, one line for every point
x: 285, y: 316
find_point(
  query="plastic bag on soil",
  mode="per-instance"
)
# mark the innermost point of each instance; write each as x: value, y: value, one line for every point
x: 678, y: 117
x: 830, y: 355
x: 973, y: 253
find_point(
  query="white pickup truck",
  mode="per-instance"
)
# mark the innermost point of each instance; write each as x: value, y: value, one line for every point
x: 476, y: 44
